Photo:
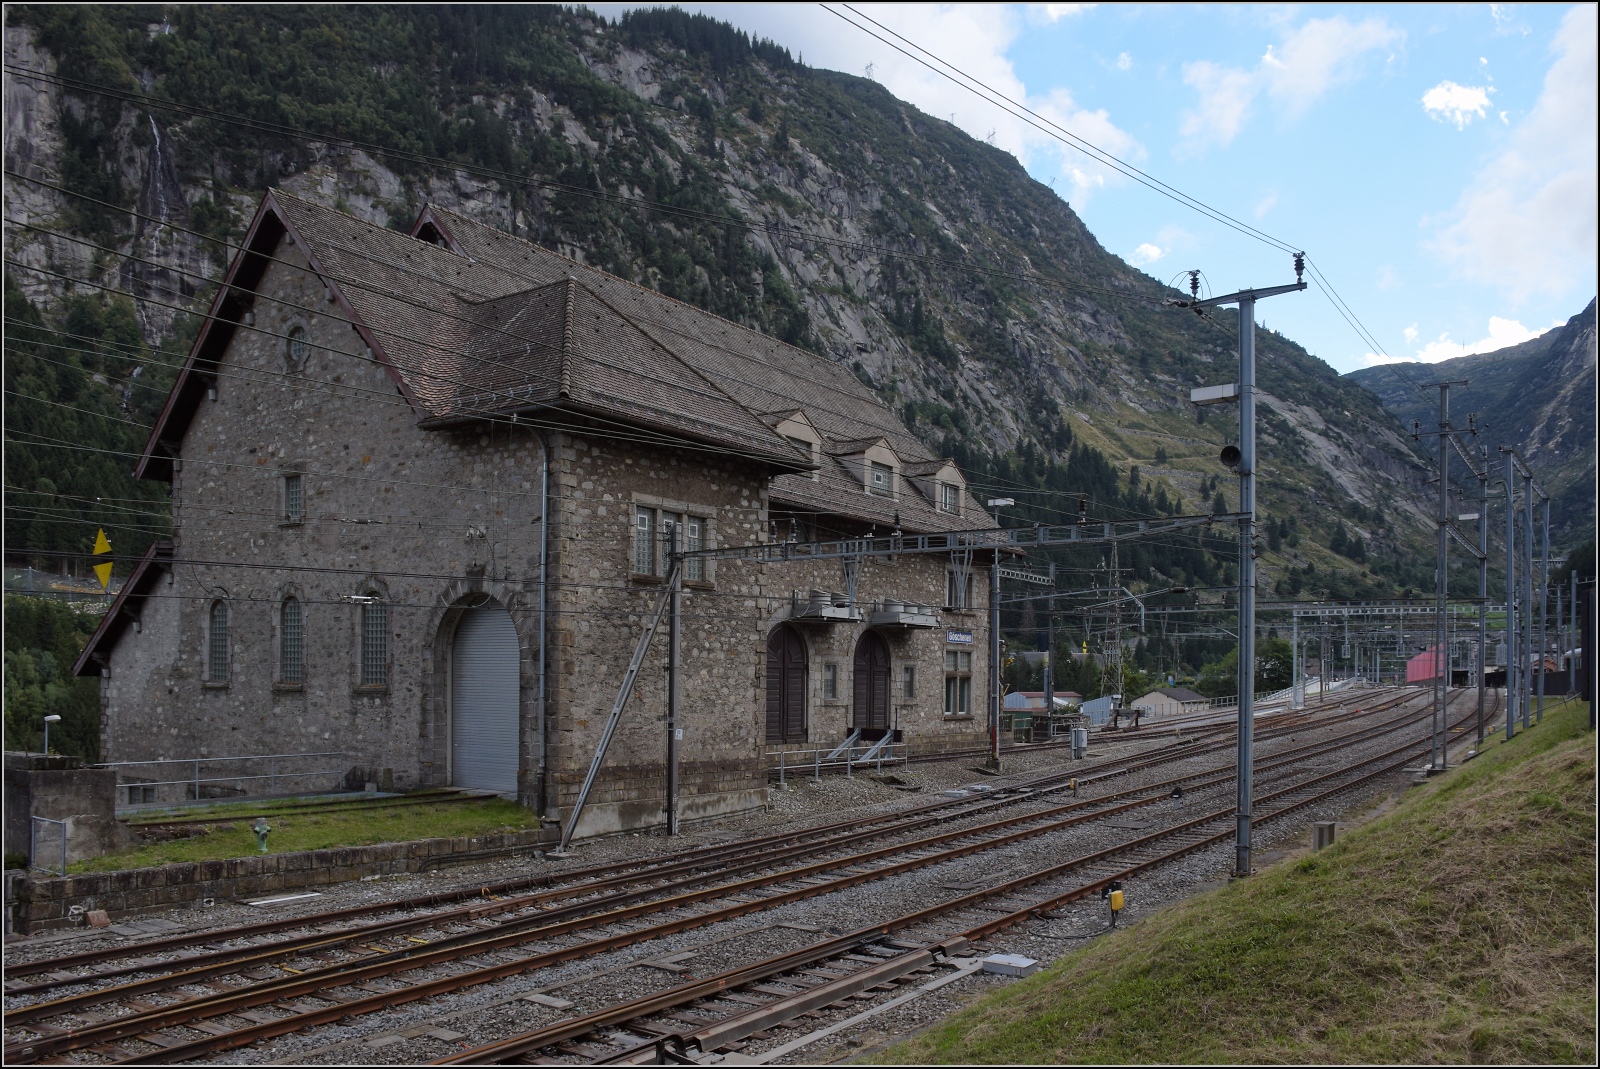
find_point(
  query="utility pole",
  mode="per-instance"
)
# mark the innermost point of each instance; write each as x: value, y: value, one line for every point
x: 1298, y: 695
x: 1050, y: 659
x: 1483, y: 585
x: 1243, y: 457
x: 996, y: 503
x: 674, y: 675
x: 1544, y: 600
x: 1527, y: 598
x: 1513, y: 688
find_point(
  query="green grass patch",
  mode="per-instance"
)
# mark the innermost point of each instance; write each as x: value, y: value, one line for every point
x: 1459, y: 927
x: 317, y: 831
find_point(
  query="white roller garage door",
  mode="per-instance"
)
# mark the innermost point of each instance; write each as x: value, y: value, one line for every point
x: 484, y: 676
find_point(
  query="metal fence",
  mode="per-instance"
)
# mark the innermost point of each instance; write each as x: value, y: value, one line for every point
x: 846, y: 758
x: 48, y: 843
x: 201, y: 778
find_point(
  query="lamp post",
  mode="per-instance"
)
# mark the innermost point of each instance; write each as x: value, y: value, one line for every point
x: 51, y: 719
x: 996, y: 503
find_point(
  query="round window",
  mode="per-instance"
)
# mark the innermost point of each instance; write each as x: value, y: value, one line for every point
x: 299, y: 347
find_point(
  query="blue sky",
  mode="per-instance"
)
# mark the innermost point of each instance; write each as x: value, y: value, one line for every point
x: 1437, y: 162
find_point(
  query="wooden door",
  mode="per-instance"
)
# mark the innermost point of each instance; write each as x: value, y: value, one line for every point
x: 786, y: 686
x: 871, y: 682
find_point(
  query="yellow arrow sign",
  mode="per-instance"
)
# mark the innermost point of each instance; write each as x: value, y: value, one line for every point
x: 102, y: 544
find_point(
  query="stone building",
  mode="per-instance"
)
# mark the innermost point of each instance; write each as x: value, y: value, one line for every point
x: 420, y: 490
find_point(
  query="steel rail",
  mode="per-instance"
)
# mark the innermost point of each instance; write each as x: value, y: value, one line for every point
x: 530, y: 1043
x: 644, y: 869
x: 475, y: 943
x: 199, y: 967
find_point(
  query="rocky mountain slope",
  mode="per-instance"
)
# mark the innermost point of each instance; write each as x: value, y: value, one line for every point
x: 1538, y: 396
x: 674, y: 151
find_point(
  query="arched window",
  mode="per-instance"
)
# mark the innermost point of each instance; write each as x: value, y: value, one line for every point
x: 299, y: 347
x: 786, y: 686
x: 217, y: 643
x: 374, y: 643
x: 291, y: 642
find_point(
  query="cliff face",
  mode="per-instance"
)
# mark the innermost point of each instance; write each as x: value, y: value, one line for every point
x: 1538, y: 396
x: 674, y: 152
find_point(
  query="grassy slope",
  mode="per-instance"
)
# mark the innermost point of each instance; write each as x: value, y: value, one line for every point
x: 1460, y: 927
x: 317, y: 831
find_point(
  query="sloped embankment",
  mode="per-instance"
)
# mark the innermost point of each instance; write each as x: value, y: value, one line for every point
x: 1458, y: 928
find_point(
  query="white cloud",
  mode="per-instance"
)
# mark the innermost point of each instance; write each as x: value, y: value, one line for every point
x: 1310, y: 60
x: 1526, y: 221
x: 1266, y: 204
x: 1148, y: 254
x: 1057, y: 12
x: 975, y: 37
x: 1388, y: 278
x: 1502, y: 333
x: 1460, y: 104
x: 1124, y: 62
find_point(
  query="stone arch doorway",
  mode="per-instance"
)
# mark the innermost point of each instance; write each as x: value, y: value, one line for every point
x: 871, y: 682
x: 485, y: 700
x: 786, y: 685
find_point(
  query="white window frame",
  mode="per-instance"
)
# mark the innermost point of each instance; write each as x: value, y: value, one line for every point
x: 880, y: 479
x: 950, y: 498
x: 649, y: 523
x: 830, y: 681
x: 908, y: 682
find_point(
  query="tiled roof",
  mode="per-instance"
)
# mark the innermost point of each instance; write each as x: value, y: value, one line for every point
x: 470, y: 321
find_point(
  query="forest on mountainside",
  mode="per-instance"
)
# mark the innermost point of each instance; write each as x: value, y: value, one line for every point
x: 673, y: 150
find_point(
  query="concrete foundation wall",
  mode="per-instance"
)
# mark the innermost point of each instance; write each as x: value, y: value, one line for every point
x: 36, y: 903
x: 59, y: 788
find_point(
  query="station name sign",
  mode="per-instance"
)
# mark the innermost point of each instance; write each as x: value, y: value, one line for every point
x: 963, y: 638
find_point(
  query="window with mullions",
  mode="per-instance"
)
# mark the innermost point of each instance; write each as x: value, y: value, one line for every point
x: 374, y: 644
x: 291, y: 642
x: 217, y: 643
x: 294, y: 497
x: 950, y: 498
x: 880, y: 480
x: 957, y: 595
x: 957, y: 683
x: 653, y: 532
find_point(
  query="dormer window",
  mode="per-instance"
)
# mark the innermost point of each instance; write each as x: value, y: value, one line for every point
x: 949, y: 498
x: 882, y: 480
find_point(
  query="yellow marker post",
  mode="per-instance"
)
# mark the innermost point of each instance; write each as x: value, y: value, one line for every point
x: 102, y: 545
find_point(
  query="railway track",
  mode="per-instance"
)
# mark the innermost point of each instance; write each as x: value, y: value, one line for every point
x: 698, y: 867
x: 366, y: 975
x: 720, y: 1012
x: 54, y: 970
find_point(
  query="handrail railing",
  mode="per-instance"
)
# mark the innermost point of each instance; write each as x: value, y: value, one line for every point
x: 194, y: 780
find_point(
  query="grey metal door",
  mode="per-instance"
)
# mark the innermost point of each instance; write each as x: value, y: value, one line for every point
x: 484, y: 701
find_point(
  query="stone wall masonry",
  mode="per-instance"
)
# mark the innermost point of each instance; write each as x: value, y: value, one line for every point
x: 38, y: 903
x: 602, y: 601
x: 426, y: 520
x: 918, y: 578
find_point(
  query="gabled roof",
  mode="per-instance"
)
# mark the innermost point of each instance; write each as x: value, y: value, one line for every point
x: 125, y: 610
x: 468, y: 321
